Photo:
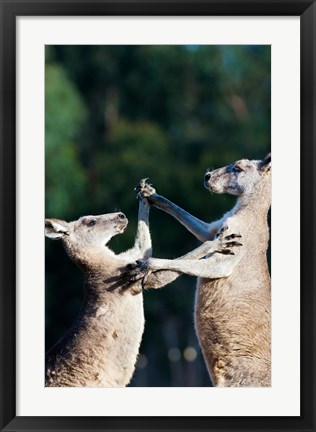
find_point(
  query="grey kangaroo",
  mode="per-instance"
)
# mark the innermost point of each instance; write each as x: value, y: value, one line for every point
x: 233, y: 297
x: 101, y: 347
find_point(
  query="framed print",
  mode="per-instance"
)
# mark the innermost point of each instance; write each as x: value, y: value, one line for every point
x: 97, y: 97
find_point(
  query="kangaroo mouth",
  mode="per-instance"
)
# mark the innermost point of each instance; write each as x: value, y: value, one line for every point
x: 120, y: 228
x: 211, y: 188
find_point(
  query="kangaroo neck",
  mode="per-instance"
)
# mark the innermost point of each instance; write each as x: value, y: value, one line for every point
x: 256, y: 203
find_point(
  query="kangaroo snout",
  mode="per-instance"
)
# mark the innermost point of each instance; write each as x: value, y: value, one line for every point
x: 121, y: 216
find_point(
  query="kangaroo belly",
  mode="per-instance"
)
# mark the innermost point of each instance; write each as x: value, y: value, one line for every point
x: 127, y: 337
x: 233, y: 326
x: 102, y: 348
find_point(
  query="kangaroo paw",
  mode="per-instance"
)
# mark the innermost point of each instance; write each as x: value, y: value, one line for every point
x: 224, y: 242
x: 144, y: 189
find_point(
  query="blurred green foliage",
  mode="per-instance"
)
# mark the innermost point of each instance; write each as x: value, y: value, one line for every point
x: 115, y: 114
x: 65, y: 177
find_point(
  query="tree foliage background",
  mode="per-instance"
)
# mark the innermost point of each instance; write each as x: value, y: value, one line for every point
x: 116, y: 114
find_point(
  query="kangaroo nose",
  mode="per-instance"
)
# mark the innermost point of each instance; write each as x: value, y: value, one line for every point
x: 121, y: 216
x: 207, y: 177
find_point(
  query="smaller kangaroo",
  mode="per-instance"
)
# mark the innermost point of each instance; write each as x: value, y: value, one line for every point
x: 233, y: 298
x: 101, y: 347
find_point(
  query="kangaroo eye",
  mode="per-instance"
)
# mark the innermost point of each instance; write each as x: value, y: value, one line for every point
x: 91, y: 223
x: 237, y: 169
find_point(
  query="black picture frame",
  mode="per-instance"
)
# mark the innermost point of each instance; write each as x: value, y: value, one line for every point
x: 9, y: 11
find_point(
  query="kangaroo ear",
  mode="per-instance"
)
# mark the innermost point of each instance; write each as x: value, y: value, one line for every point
x: 55, y: 229
x: 265, y: 164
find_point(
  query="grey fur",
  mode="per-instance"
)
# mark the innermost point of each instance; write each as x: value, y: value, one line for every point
x: 101, y: 347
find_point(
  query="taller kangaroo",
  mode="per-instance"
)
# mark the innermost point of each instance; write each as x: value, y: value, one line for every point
x: 233, y: 298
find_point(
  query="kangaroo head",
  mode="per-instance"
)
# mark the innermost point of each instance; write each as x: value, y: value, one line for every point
x: 239, y: 178
x: 86, y: 235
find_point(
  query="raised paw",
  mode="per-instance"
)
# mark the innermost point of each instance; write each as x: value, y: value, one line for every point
x: 225, y: 243
x: 144, y: 189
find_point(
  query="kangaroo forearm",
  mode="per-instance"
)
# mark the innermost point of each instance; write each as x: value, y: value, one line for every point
x: 159, y: 279
x: 143, y: 211
x: 207, y: 268
x: 197, y: 227
x: 200, y: 252
x: 142, y: 246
